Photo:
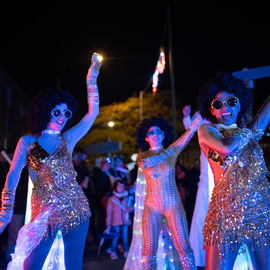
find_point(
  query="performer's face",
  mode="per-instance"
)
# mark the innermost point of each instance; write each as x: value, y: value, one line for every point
x: 59, y: 116
x: 225, y: 107
x: 154, y: 136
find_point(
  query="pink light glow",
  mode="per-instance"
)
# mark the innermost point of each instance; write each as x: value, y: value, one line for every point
x: 159, y: 70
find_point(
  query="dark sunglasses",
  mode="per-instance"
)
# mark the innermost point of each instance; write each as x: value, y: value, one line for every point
x: 230, y: 101
x: 66, y: 113
x: 152, y: 133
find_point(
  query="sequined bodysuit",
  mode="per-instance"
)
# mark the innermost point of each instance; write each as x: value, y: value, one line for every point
x: 162, y: 200
x: 56, y: 189
x: 239, y: 210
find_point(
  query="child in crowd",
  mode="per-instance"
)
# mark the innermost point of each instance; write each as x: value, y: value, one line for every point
x: 119, y: 205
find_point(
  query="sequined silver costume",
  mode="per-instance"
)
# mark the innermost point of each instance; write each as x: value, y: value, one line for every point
x: 239, y: 210
x: 58, y: 203
x: 56, y: 187
x: 162, y: 201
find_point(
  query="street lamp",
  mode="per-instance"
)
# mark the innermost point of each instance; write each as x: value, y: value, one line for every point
x: 111, y: 124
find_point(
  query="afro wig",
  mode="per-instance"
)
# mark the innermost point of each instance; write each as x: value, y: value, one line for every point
x: 144, y: 126
x: 224, y: 82
x: 39, y: 114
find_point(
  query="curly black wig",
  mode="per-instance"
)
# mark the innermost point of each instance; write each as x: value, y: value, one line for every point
x: 227, y: 83
x: 39, y: 114
x: 144, y: 126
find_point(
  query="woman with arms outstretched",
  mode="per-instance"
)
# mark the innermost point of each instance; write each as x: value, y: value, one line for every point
x: 58, y: 204
x: 239, y: 211
x: 162, y: 201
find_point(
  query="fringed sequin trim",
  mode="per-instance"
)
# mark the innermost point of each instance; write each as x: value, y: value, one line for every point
x: 239, y: 211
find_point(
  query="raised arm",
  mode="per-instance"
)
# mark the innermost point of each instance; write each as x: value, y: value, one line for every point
x: 181, y: 143
x: 262, y: 119
x: 187, y: 120
x: 12, y: 180
x: 186, y: 116
x: 78, y: 131
x: 210, y: 137
x: 174, y: 149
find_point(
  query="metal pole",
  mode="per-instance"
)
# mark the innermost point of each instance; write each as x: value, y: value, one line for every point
x: 172, y: 72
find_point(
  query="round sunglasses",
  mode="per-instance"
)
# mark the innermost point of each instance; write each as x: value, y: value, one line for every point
x: 230, y: 101
x: 56, y: 112
x: 152, y: 133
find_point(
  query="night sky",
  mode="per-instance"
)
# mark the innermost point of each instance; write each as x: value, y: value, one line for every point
x: 49, y: 45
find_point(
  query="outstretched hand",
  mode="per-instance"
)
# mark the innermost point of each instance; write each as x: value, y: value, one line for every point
x: 96, y: 62
x: 91, y: 79
x: 186, y: 110
x: 198, y: 120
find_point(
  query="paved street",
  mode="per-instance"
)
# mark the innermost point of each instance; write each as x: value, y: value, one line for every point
x: 91, y: 260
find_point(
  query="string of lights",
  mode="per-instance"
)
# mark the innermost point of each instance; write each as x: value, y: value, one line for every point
x: 160, y: 67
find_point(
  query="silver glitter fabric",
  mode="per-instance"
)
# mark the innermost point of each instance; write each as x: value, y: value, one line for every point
x: 56, y: 188
x: 239, y: 210
x: 162, y: 201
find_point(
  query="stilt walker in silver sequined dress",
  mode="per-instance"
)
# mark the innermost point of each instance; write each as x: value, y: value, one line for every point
x: 59, y: 206
x: 239, y: 212
x: 162, y: 199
